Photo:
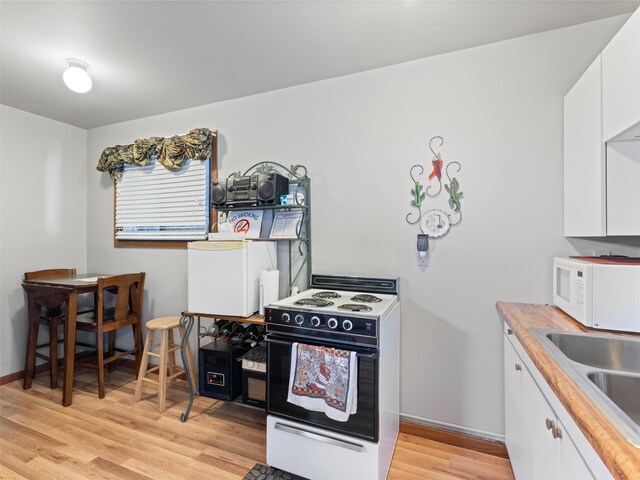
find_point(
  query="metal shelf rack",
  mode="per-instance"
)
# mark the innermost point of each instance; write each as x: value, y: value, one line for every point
x: 298, y: 182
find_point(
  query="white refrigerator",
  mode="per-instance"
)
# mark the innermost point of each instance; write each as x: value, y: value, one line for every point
x: 224, y: 276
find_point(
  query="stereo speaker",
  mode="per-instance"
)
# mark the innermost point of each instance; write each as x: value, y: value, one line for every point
x: 219, y: 192
x: 270, y: 187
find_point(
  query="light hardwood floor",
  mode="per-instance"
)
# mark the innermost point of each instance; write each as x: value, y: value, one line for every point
x: 115, y: 438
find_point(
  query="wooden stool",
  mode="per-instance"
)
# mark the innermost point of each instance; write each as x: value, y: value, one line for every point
x: 168, y: 347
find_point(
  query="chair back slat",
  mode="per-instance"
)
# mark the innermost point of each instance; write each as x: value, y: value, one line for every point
x: 50, y: 273
x: 128, y: 289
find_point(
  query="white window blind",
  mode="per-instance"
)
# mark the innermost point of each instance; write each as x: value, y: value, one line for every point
x: 153, y: 203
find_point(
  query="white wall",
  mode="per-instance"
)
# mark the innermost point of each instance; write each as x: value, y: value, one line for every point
x: 499, y: 109
x: 43, y: 213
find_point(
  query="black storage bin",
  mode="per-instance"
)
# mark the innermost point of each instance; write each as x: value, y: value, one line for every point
x: 221, y: 370
x: 254, y: 375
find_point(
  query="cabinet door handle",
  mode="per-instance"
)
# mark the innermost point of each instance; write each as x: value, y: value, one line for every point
x: 550, y: 425
x: 518, y: 367
x: 556, y: 432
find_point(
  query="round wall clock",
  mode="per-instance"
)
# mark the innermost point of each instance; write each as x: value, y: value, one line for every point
x: 435, y: 223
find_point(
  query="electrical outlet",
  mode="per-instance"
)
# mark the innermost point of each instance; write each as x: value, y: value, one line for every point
x: 423, y: 261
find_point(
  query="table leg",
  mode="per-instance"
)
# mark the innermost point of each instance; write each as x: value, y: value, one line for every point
x: 32, y: 341
x: 69, y: 348
x: 186, y: 324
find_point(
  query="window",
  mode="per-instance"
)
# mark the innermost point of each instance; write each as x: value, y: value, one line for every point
x: 153, y: 203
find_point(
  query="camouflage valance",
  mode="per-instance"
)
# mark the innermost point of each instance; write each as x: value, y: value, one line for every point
x: 172, y: 152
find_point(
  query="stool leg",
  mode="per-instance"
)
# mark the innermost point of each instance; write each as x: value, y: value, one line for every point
x: 162, y: 373
x: 189, y: 364
x: 148, y: 344
x: 100, y: 348
x: 172, y: 358
x: 53, y: 352
x: 137, y: 336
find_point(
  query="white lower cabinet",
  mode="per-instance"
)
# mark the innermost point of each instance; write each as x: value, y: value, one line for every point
x: 554, y: 456
x: 540, y: 446
x: 514, y: 427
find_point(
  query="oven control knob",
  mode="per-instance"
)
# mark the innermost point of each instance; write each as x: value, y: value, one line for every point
x: 299, y: 319
x: 315, y: 321
x: 347, y: 325
x: 332, y: 323
x: 286, y: 318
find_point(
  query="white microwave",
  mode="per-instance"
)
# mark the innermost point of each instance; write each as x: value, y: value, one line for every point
x: 602, y: 293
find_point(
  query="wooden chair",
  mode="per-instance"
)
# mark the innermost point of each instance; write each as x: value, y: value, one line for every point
x: 128, y: 290
x: 166, y: 357
x: 52, y: 318
x: 46, y: 305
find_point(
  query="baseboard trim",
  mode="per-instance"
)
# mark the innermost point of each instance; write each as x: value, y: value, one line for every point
x: 12, y: 377
x: 491, y: 447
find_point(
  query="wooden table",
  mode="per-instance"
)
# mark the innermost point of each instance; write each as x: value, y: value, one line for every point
x: 86, y: 283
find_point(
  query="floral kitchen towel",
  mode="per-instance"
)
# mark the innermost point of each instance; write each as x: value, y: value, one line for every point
x: 324, y: 380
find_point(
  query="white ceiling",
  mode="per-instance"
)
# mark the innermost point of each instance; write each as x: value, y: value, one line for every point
x: 149, y: 57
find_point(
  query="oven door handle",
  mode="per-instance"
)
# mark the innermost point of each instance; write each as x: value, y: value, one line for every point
x: 321, y: 438
x: 373, y: 356
x: 272, y: 340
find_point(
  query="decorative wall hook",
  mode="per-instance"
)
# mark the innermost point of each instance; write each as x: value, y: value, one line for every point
x: 435, y: 223
x: 417, y: 195
x: 454, y: 192
x: 431, y: 141
x: 437, y: 167
x: 457, y: 164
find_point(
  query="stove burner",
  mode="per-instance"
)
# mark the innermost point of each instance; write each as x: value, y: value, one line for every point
x: 355, y: 307
x: 326, y: 295
x: 313, y: 302
x: 365, y: 298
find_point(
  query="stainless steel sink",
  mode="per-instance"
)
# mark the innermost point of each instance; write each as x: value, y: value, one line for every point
x: 623, y: 390
x: 609, y: 352
x: 606, y: 368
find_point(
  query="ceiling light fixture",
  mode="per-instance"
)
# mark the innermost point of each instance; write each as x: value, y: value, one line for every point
x: 76, y: 77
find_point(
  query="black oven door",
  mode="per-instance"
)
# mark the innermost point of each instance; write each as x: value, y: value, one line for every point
x: 363, y: 424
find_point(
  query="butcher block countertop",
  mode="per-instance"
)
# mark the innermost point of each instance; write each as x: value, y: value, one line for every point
x: 621, y: 458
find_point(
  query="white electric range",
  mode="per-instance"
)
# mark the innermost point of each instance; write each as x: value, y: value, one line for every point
x: 349, y: 313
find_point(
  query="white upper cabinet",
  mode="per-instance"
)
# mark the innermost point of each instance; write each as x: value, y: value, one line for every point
x: 584, y: 163
x: 621, y: 83
x: 601, y: 113
x: 623, y: 188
